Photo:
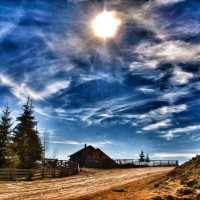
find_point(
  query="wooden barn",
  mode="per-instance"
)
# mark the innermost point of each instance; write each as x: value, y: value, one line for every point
x: 92, y: 158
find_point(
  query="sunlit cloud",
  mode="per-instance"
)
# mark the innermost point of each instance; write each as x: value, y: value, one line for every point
x: 181, y: 77
x: 169, y: 51
x: 22, y: 90
x: 158, y: 125
x: 172, y: 109
x: 165, y: 2
x: 173, y: 133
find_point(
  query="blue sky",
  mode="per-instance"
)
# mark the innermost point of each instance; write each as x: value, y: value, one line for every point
x: 139, y: 90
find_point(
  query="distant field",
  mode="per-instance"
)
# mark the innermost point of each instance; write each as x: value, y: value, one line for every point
x: 87, y: 183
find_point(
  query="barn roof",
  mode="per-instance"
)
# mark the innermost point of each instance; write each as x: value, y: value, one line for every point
x: 90, y: 147
x: 103, y: 153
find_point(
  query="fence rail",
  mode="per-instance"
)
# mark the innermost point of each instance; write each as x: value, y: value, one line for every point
x: 152, y: 163
x: 34, y: 174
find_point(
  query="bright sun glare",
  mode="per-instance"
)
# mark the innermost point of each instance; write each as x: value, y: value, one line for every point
x: 106, y: 24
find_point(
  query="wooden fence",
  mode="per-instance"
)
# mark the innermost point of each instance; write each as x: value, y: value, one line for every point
x: 35, y: 174
x: 151, y: 163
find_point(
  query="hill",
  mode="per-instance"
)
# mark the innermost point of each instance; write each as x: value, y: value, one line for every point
x: 189, y: 169
x: 182, y: 183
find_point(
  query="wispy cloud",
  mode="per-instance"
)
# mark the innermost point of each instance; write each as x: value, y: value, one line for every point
x: 100, y: 76
x: 173, y: 96
x: 116, y: 111
x: 165, y: 2
x: 142, y: 80
x: 161, y: 113
x: 173, y: 133
x: 146, y: 90
x: 169, y: 51
x: 181, y: 77
x: 158, y: 125
x: 172, y: 109
x: 186, y: 129
x: 75, y: 142
x: 22, y: 90
x: 70, y: 142
x: 174, y: 155
x: 148, y: 64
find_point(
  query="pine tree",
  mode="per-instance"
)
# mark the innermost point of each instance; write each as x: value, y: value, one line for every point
x: 5, y: 131
x: 147, y: 159
x: 27, y: 141
x: 141, y: 158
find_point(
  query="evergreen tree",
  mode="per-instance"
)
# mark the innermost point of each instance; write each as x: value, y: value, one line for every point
x: 147, y: 159
x: 27, y: 141
x: 141, y: 158
x: 5, y: 131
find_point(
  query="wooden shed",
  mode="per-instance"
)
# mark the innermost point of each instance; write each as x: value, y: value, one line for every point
x: 92, y: 158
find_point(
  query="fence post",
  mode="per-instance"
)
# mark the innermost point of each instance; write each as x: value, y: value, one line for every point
x: 29, y: 175
x: 54, y: 172
x: 43, y: 171
x: 10, y: 174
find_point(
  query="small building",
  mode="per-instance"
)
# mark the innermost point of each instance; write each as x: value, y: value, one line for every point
x: 92, y: 158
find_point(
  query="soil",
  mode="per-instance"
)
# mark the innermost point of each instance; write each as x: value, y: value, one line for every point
x: 90, y: 184
x: 142, y: 189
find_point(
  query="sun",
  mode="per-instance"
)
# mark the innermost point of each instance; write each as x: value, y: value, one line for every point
x: 106, y: 24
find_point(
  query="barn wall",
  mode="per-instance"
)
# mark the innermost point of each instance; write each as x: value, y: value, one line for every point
x: 93, y: 158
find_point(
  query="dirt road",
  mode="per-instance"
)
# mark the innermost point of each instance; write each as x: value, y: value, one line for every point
x: 75, y: 186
